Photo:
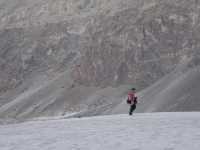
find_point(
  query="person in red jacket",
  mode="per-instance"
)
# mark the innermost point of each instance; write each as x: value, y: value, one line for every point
x: 132, y: 100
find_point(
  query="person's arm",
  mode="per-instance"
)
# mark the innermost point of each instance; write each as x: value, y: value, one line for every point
x: 135, y: 100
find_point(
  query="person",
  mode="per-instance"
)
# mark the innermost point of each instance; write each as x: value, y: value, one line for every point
x: 132, y: 100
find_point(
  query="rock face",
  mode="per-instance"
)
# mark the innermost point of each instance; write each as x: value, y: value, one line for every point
x: 140, y: 45
x: 89, y: 44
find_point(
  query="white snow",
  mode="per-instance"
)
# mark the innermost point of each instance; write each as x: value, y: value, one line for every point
x: 153, y: 131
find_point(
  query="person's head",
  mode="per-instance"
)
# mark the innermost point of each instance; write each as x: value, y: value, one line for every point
x: 133, y: 90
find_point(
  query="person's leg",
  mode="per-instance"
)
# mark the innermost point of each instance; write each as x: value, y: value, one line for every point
x: 132, y: 108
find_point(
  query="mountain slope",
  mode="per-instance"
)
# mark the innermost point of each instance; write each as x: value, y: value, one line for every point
x: 178, y: 94
x: 55, y: 56
x: 157, y: 131
x: 177, y: 91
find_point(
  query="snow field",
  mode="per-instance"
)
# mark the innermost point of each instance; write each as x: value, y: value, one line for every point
x: 153, y: 131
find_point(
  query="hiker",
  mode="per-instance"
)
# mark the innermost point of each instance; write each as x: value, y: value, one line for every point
x: 132, y: 100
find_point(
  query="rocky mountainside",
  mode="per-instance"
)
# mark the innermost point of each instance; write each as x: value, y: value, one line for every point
x: 56, y: 55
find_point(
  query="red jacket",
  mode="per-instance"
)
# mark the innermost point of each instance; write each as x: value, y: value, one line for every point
x: 132, y: 98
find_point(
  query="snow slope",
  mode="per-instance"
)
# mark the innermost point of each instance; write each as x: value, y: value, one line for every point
x: 156, y: 131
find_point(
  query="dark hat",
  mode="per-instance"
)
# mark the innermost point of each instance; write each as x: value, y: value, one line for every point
x: 133, y: 89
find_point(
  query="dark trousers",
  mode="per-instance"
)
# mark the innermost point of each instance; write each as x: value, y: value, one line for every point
x: 132, y: 108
